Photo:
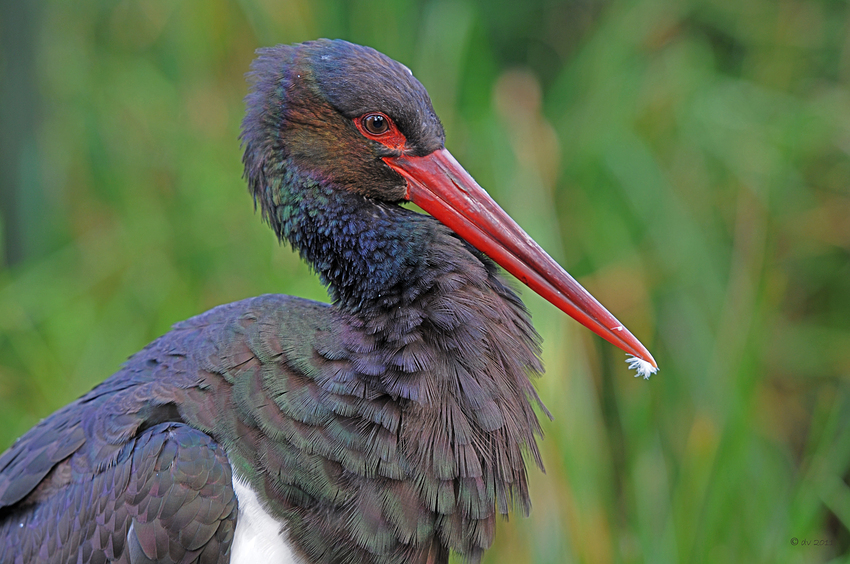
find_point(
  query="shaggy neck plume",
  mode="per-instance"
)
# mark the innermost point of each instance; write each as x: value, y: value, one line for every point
x: 371, y: 255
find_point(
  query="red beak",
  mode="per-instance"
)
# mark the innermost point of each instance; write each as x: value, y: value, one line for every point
x: 439, y: 184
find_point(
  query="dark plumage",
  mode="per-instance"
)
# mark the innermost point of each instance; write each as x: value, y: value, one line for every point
x: 388, y: 427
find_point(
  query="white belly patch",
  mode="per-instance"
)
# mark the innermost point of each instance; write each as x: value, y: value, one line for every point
x: 259, y: 537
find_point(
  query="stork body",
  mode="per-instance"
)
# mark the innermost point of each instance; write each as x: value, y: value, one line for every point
x: 387, y: 427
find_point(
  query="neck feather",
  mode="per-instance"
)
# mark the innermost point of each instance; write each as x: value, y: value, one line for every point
x: 370, y: 254
x: 428, y: 347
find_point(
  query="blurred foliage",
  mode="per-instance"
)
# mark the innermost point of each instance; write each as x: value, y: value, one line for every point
x: 687, y: 161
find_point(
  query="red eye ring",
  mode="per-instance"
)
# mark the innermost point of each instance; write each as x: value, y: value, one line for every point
x: 378, y: 127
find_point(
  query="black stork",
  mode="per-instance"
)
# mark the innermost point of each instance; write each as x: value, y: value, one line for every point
x: 388, y: 427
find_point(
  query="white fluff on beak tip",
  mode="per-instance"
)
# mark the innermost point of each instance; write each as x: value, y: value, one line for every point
x: 642, y: 367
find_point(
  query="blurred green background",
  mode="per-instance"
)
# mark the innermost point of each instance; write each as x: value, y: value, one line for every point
x: 687, y: 161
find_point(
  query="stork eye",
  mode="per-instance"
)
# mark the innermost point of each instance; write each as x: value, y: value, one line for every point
x: 378, y: 127
x: 376, y: 124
